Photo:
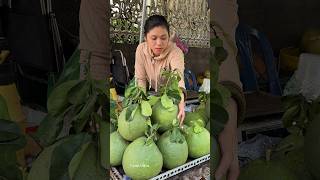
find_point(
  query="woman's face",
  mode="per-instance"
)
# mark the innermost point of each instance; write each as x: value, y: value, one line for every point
x: 157, y: 39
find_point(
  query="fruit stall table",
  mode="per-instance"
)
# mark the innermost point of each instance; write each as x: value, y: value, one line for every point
x: 194, y: 169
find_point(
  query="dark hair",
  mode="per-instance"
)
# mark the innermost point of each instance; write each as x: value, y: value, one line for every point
x: 155, y: 21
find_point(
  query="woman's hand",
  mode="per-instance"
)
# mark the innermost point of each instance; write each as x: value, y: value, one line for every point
x: 229, y: 166
x: 181, y: 113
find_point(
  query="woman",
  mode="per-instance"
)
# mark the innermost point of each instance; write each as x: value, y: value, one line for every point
x: 156, y: 53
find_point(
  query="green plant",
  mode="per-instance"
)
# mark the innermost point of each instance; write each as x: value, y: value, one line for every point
x: 219, y: 95
x: 136, y: 112
x: 11, y: 140
x: 72, y: 145
x: 165, y: 111
x: 216, y: 102
x: 298, y: 112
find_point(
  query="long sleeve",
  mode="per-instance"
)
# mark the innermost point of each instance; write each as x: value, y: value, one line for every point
x: 140, y: 72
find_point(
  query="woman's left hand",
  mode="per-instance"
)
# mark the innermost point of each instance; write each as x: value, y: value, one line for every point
x: 181, y: 113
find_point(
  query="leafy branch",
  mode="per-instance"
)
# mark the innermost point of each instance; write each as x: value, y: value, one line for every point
x: 299, y: 112
x: 171, y: 86
x: 70, y: 132
x: 135, y: 98
x: 219, y: 95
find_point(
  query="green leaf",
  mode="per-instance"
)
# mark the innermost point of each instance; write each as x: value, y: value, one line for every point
x: 113, y: 107
x: 79, y: 93
x: 58, y: 99
x: 148, y: 122
x: 149, y: 140
x: 71, y: 70
x: 289, y: 116
x: 197, y: 129
x: 14, y: 145
x: 97, y: 117
x: 9, y: 168
x: 166, y: 101
x: 103, y: 100
x: 134, y: 113
x: 8, y: 137
x: 185, y: 129
x: 174, y: 84
x: 130, y: 88
x: 49, y: 129
x: 216, y: 42
x: 130, y: 111
x: 146, y: 108
x: 224, y: 93
x: 173, y: 135
x: 174, y: 94
x: 220, y: 54
x: 153, y: 100
x: 41, y: 166
x: 104, y: 141
x: 7, y: 156
x: 11, y: 172
x: 101, y: 86
x: 219, y: 117
x: 289, y: 101
x: 11, y: 137
x: 171, y: 108
x: 171, y: 80
x: 84, y: 116
x: 176, y: 136
x: 214, y: 73
x: 63, y: 154
x: 216, y: 97
x: 294, y: 130
x: 4, y: 113
x: 302, y: 118
x: 129, y: 91
x: 290, y: 143
x: 126, y: 102
x: 89, y: 167
x: 75, y: 162
x: 175, y: 122
x: 9, y: 126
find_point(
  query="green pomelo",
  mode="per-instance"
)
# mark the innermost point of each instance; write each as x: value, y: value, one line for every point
x: 117, y: 147
x: 193, y: 118
x: 142, y: 160
x: 164, y: 117
x: 131, y: 130
x: 198, y: 140
x: 174, y: 153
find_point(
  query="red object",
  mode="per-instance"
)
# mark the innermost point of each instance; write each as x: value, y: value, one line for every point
x: 184, y: 47
x: 31, y: 129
